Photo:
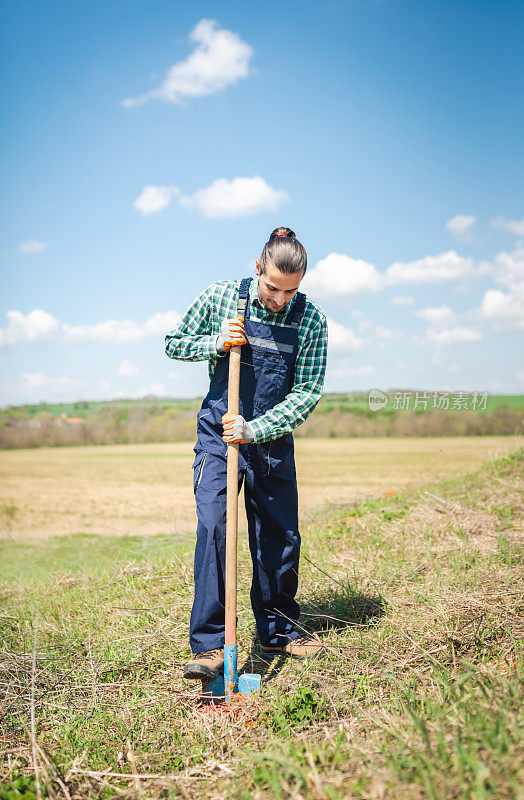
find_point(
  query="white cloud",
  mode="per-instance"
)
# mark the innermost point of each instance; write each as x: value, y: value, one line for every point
x: 219, y: 59
x: 384, y: 336
x: 39, y: 326
x: 338, y: 275
x: 461, y: 225
x: 119, y: 331
x: 155, y: 389
x: 514, y: 226
x: 457, y: 334
x: 444, y: 329
x: 127, y: 369
x: 441, y: 315
x: 34, y: 382
x: 111, y: 330
x: 505, y: 309
x: 508, y: 269
x: 363, y: 324
x: 402, y: 300
x: 32, y: 246
x: 153, y: 199
x: 36, y: 326
x: 440, y: 359
x: 239, y: 197
x: 447, y: 266
x: 342, y: 339
x: 160, y: 323
x: 107, y: 390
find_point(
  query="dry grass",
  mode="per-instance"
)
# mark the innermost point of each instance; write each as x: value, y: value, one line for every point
x: 146, y: 489
x: 420, y: 602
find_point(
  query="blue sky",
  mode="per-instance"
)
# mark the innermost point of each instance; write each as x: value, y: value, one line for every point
x: 387, y: 134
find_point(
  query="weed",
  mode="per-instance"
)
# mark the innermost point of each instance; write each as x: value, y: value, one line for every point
x: 294, y: 710
x: 21, y: 788
x: 511, y: 552
x: 9, y: 512
x: 397, y: 513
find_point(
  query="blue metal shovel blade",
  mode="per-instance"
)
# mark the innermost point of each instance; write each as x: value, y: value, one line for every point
x: 249, y: 683
x: 216, y: 687
x: 230, y: 684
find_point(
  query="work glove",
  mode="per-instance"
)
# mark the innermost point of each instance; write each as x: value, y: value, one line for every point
x: 231, y: 334
x: 236, y: 429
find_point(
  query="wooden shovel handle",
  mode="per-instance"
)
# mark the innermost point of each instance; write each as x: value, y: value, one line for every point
x: 232, y: 502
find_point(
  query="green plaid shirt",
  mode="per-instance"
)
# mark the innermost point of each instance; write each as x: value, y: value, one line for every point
x: 193, y: 339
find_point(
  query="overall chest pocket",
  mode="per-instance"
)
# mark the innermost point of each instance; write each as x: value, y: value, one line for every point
x: 271, y: 373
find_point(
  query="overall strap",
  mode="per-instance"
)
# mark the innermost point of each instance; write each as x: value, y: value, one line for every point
x: 243, y: 294
x: 294, y: 317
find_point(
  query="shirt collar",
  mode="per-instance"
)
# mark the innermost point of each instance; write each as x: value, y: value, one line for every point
x: 254, y: 298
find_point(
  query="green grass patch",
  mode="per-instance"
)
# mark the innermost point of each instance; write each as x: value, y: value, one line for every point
x: 37, y: 562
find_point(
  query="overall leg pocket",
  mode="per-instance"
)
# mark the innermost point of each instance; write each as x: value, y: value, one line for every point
x: 198, y: 469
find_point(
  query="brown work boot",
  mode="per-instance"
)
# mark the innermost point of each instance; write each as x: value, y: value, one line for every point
x: 205, y: 666
x: 303, y: 647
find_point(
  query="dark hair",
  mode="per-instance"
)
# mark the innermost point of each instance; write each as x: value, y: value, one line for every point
x: 284, y: 251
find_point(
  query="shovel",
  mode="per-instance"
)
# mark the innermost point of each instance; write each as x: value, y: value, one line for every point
x: 231, y: 683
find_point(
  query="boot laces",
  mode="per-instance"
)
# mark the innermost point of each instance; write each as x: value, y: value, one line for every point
x: 306, y: 639
x: 209, y: 654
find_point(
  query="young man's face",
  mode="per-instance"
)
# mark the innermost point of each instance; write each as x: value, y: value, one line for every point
x: 276, y: 288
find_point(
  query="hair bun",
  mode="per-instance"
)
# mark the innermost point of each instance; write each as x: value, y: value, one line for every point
x: 282, y: 233
x: 283, y: 251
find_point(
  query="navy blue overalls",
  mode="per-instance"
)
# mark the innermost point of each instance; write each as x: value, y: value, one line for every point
x: 270, y: 489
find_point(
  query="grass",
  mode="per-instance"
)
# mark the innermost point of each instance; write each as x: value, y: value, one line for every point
x: 418, y: 597
x: 132, y: 490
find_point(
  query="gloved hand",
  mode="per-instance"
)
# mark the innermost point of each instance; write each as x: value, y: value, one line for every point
x: 236, y: 429
x: 231, y: 334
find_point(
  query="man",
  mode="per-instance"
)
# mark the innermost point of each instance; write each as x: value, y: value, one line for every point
x: 283, y: 361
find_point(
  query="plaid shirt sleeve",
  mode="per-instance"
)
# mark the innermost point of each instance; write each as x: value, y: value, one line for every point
x: 192, y: 339
x: 310, y: 370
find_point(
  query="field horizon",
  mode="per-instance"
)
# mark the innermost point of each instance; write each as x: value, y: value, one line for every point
x: 396, y: 412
